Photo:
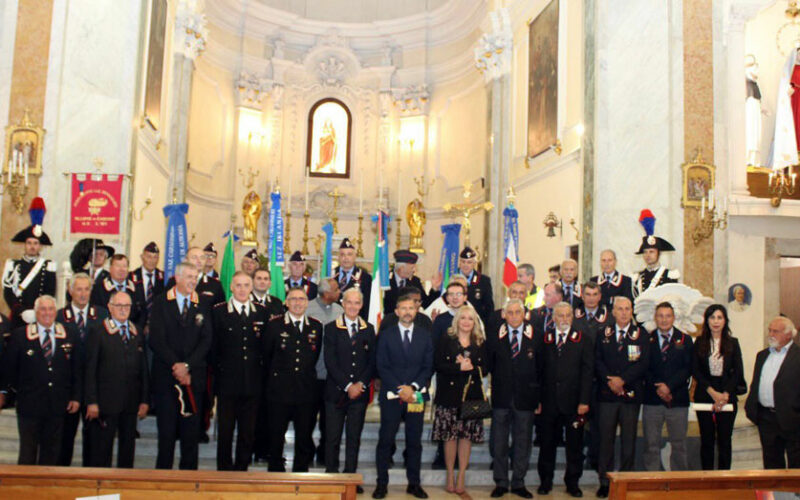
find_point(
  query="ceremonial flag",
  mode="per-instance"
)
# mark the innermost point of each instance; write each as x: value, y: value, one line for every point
x: 177, y: 240
x: 228, y: 264
x: 380, y: 270
x: 511, y: 244
x: 448, y: 260
x: 276, y: 248
x: 325, y: 269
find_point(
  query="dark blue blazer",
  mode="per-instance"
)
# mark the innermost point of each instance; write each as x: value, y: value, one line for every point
x: 396, y: 367
x: 673, y: 368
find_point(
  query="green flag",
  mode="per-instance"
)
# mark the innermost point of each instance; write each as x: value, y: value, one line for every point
x: 276, y: 274
x: 228, y: 267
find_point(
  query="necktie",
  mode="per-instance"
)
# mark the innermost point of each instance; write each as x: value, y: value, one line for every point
x: 242, y: 312
x: 81, y: 325
x: 620, y: 338
x: 123, y: 332
x: 560, y: 343
x: 609, y: 277
x: 514, y: 343
x: 149, y: 293
x: 407, y: 340
x: 47, y: 346
x: 120, y: 287
x: 343, y: 280
x: 402, y: 283
x: 353, y: 329
x: 664, y: 343
x: 297, y: 325
x: 185, y: 312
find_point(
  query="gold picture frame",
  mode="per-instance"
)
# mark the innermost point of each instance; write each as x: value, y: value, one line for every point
x: 698, y: 178
x: 24, y: 145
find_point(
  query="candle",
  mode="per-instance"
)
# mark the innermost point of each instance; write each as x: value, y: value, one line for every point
x: 150, y: 192
x: 26, y: 172
x: 291, y: 178
x: 271, y: 177
x: 380, y: 188
x: 361, y: 195
x: 307, y: 170
x: 399, y: 188
x: 247, y: 158
x: 710, y: 199
x: 703, y: 208
x: 794, y: 177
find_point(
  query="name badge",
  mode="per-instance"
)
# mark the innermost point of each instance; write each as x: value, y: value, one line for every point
x: 634, y: 353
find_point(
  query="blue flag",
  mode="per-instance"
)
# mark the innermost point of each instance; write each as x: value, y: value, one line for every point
x: 448, y: 260
x: 177, y: 239
x: 510, y: 229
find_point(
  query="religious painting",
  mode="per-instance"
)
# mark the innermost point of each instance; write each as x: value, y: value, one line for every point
x: 698, y: 180
x: 155, y: 63
x: 329, y: 128
x: 543, y: 80
x: 739, y: 297
x: 23, y: 149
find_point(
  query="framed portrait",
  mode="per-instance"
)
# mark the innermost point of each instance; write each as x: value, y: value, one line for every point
x: 155, y: 63
x: 543, y: 80
x: 23, y: 148
x: 739, y: 297
x: 698, y: 179
x: 329, y: 128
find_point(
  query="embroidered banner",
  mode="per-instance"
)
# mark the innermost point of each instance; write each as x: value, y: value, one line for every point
x: 95, y: 206
x: 177, y: 240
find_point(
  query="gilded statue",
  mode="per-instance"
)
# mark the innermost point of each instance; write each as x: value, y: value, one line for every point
x: 415, y: 217
x: 251, y: 211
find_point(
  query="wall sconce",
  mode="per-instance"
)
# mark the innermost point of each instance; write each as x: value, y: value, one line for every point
x: 557, y: 147
x: 248, y: 178
x: 781, y: 183
x: 551, y: 222
x: 138, y: 215
x: 709, y: 220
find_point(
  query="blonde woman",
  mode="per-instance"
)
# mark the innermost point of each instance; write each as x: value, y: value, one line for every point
x: 459, y: 359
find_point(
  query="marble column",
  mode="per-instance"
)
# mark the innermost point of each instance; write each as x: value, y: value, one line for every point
x: 587, y: 141
x: 27, y: 86
x: 698, y: 132
x: 189, y: 41
x: 493, y: 58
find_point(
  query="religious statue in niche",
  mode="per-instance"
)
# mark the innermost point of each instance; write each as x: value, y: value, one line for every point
x: 785, y: 141
x: 251, y: 212
x: 543, y: 80
x: 753, y: 112
x: 329, y: 130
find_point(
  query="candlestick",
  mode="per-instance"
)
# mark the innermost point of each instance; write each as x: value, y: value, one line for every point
x: 398, y: 231
x: 288, y: 225
x: 305, y: 232
x: 361, y: 195
x: 307, y: 170
x: 359, y: 240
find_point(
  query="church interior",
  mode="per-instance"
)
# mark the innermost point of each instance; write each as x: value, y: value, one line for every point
x: 575, y: 115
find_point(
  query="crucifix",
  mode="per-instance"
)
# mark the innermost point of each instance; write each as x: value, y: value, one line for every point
x: 466, y: 209
x: 335, y: 194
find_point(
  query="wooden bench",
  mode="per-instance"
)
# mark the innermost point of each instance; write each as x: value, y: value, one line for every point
x: 46, y: 483
x: 701, y: 485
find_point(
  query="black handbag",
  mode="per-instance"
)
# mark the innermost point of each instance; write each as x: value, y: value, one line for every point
x: 474, y: 409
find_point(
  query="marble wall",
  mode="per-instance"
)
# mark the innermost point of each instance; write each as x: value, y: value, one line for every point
x: 91, y: 107
x: 638, y: 127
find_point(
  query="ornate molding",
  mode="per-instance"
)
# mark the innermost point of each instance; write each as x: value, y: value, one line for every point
x: 191, y: 30
x: 493, y: 53
x: 412, y: 100
x: 251, y: 89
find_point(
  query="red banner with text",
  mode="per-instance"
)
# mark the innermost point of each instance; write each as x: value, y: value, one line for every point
x: 96, y: 204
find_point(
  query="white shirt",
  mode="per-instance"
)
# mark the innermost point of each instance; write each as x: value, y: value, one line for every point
x: 181, y: 300
x: 558, y: 335
x: 349, y: 323
x: 661, y: 338
x: 43, y: 335
x: 618, y: 330
x: 237, y: 306
x: 404, y: 329
x: 84, y: 311
x: 295, y: 320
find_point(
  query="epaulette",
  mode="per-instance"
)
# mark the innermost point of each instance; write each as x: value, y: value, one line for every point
x: 673, y: 274
x: 50, y: 266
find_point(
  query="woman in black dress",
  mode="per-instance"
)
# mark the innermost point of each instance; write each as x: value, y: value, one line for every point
x: 459, y: 360
x: 719, y: 373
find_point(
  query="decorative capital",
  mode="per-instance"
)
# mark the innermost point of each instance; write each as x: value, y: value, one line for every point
x: 412, y: 100
x: 493, y: 53
x: 191, y: 31
x: 252, y: 89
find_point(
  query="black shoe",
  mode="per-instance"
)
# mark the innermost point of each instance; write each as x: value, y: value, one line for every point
x: 574, y: 492
x: 380, y: 491
x: 204, y: 438
x: 602, y: 492
x: 544, y: 489
x: 522, y: 492
x: 498, y: 491
x: 137, y: 435
x: 416, y: 490
x: 359, y: 490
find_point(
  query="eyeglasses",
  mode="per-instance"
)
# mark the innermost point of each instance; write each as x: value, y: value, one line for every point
x: 121, y: 306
